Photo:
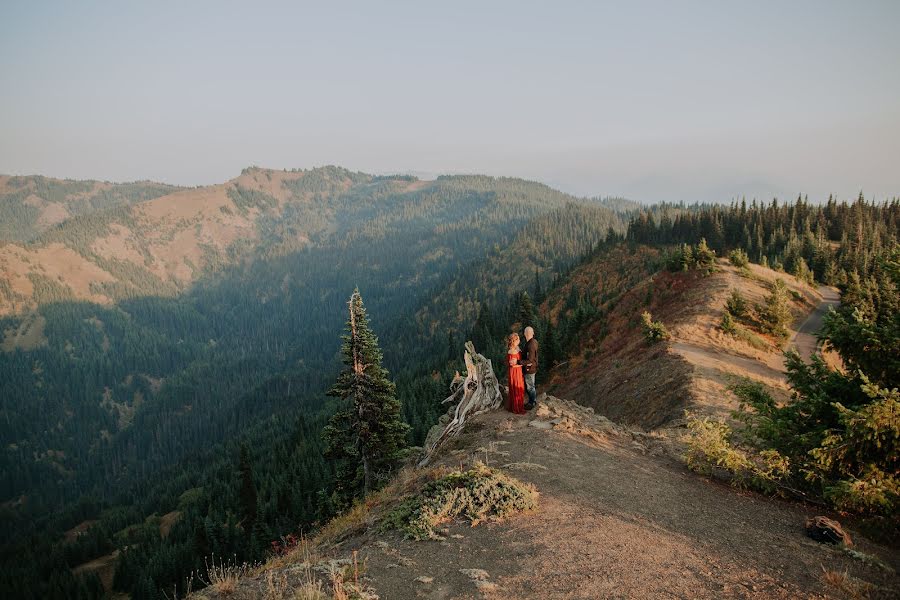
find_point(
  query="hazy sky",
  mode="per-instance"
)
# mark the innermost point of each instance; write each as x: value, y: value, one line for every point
x: 648, y: 100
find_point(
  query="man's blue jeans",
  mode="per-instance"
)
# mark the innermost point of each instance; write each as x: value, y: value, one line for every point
x: 529, y: 387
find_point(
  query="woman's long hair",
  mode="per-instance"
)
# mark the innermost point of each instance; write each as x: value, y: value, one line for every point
x: 512, y: 341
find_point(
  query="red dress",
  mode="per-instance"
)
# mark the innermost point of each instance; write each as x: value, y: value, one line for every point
x: 516, y: 402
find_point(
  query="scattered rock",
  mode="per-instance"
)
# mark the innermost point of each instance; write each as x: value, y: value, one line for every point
x: 485, y: 586
x: 424, y: 579
x: 823, y: 529
x: 475, y: 574
x: 457, y: 536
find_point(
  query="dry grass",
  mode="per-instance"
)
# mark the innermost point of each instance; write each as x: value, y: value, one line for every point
x: 346, y: 583
x: 849, y: 586
x: 359, y: 518
x: 278, y: 588
x: 223, y: 577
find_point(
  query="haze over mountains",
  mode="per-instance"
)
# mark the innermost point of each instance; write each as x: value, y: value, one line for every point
x: 115, y: 320
x: 149, y: 333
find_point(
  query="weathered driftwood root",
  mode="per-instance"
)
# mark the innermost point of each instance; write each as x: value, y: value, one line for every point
x: 478, y: 392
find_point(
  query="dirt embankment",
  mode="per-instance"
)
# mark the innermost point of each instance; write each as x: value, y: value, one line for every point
x: 651, y: 385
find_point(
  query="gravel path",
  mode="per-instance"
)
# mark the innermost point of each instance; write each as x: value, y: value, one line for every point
x: 805, y: 340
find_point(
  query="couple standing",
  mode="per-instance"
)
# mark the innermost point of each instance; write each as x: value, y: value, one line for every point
x: 522, y: 369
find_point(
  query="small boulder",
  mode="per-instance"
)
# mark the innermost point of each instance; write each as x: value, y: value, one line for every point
x: 541, y: 424
x: 424, y: 579
x: 823, y: 529
x: 475, y: 574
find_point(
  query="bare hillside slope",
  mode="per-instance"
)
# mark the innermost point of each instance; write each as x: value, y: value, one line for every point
x: 617, y: 372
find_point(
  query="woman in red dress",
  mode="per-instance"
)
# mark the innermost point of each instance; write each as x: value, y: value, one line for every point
x: 516, y: 402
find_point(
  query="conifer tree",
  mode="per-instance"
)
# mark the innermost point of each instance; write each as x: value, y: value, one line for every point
x: 538, y: 288
x: 248, y: 489
x: 526, y: 310
x: 365, y: 437
x: 775, y: 313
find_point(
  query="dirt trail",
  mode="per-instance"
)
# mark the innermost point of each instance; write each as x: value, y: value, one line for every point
x: 805, y: 339
x: 614, y: 521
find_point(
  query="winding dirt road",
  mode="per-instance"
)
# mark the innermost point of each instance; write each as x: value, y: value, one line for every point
x: 805, y: 341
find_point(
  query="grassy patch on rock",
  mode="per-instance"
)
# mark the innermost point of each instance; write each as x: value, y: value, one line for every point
x: 479, y: 494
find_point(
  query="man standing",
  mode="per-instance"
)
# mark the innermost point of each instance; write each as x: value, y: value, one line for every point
x: 530, y: 365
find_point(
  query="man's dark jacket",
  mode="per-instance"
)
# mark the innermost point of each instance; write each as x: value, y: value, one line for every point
x: 530, y: 361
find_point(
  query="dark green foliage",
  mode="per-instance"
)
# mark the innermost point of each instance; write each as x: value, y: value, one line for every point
x: 778, y: 233
x: 866, y: 327
x: 654, y: 331
x: 738, y: 257
x: 247, y: 494
x: 367, y: 434
x: 736, y: 304
x: 687, y: 257
x: 775, y: 314
x: 525, y: 314
x: 727, y: 325
x: 840, y: 431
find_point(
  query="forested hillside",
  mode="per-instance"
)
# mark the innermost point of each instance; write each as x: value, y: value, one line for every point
x: 136, y: 405
x: 828, y: 242
x: 174, y: 410
x: 31, y: 205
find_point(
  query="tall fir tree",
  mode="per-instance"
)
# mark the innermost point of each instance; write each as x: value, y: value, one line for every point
x: 366, y: 436
x: 526, y: 310
x: 248, y: 489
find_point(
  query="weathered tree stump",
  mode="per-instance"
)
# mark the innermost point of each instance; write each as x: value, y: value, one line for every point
x: 478, y: 392
x: 823, y: 529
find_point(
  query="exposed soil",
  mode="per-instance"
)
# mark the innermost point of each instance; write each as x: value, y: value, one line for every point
x: 650, y: 386
x: 805, y: 340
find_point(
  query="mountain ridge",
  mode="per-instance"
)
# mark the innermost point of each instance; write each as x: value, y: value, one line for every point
x: 605, y: 489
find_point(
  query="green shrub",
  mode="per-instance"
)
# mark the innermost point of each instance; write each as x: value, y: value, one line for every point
x: 859, y: 462
x: 710, y: 447
x: 775, y: 314
x: 736, y: 304
x: 654, y: 331
x: 848, y: 456
x: 705, y: 257
x: 479, y: 494
x: 739, y: 258
x: 687, y: 257
x: 728, y: 324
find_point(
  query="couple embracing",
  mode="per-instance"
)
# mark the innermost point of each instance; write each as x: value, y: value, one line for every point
x: 523, y: 365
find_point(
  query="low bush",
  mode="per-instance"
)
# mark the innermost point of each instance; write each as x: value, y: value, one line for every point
x: 654, y: 331
x: 479, y: 494
x: 739, y: 258
x: 710, y: 446
x: 728, y: 325
x: 736, y: 304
